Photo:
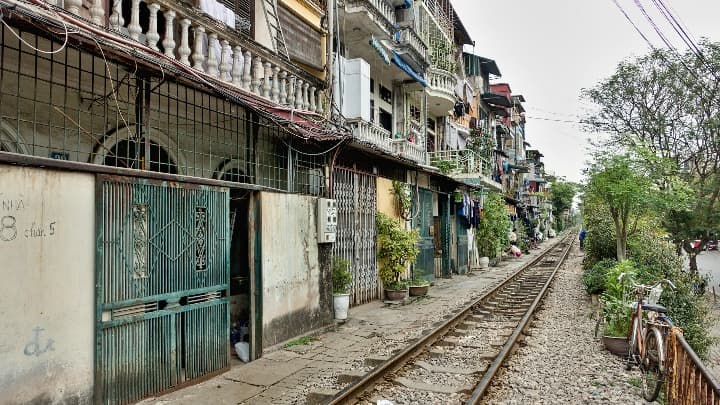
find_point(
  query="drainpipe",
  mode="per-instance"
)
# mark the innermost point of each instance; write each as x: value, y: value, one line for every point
x: 329, y: 57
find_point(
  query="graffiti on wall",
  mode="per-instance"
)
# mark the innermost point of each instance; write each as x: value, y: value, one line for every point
x: 37, y: 345
x: 12, y: 225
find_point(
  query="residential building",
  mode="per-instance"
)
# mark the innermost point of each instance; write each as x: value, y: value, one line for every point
x: 161, y: 165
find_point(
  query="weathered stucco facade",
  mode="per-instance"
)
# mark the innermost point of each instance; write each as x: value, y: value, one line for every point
x: 296, y: 289
x: 47, y: 245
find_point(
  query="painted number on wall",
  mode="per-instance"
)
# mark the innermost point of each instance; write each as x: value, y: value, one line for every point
x: 8, y: 228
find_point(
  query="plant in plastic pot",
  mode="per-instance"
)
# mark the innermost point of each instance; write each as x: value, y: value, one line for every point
x: 341, y: 279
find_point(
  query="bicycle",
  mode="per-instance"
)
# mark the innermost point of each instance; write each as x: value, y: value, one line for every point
x: 647, y: 336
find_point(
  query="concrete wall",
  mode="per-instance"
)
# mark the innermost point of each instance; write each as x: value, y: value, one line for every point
x: 296, y: 284
x: 47, y: 245
x: 386, y: 198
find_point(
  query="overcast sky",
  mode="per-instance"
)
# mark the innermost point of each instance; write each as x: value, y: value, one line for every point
x: 547, y: 50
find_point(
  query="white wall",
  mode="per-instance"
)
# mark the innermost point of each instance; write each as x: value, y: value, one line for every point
x: 47, y: 247
x: 291, y: 292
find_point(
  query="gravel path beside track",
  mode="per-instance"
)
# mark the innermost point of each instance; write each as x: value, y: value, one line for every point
x: 561, y: 361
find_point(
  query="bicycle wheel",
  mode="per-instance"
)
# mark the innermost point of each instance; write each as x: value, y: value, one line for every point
x: 652, y: 365
x: 633, y: 349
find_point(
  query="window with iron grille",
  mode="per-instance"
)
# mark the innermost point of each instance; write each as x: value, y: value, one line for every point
x: 244, y: 14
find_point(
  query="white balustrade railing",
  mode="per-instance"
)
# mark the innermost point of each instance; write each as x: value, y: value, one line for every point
x: 441, y: 80
x: 208, y: 48
x: 410, y: 150
x: 380, y: 6
x: 408, y: 37
x: 369, y: 132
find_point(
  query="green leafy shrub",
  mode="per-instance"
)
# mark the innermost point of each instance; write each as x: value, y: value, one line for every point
x: 492, y: 231
x: 616, y: 304
x: 595, y: 277
x: 341, y: 276
x: 397, y: 247
x: 418, y: 281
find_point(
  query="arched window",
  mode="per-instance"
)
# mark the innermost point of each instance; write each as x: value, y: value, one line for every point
x: 231, y: 170
x: 131, y: 154
x: 123, y: 149
x: 10, y: 140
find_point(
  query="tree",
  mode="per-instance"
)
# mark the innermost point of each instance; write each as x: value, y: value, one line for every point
x: 562, y: 194
x: 625, y: 193
x: 669, y: 105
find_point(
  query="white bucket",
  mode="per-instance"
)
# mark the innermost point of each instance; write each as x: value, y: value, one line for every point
x: 341, y: 303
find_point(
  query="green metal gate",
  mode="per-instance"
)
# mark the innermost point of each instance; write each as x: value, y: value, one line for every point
x: 425, y: 264
x: 162, y: 286
x: 445, y: 232
x: 462, y: 244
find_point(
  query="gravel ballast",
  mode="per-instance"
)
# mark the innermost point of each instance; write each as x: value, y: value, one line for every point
x: 561, y: 361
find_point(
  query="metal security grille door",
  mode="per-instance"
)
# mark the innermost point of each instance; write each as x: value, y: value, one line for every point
x: 425, y: 263
x: 356, y: 195
x: 162, y: 284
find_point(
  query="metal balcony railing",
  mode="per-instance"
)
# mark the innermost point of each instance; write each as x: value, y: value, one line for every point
x: 461, y: 161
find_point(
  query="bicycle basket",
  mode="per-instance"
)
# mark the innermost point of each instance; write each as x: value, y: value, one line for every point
x: 654, y: 295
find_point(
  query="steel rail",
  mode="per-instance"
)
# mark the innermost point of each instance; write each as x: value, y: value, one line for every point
x: 352, y: 392
x: 490, y: 373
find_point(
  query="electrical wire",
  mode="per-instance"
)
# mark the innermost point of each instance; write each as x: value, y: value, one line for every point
x: 314, y: 154
x: 62, y: 47
x: 259, y: 105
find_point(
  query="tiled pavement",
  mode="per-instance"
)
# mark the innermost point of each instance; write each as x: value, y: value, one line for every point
x: 286, y: 375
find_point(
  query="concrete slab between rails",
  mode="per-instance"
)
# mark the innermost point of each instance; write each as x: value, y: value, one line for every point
x: 440, y: 389
x: 320, y: 396
x: 448, y: 370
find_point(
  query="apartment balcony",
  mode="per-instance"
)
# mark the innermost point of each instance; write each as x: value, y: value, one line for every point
x: 410, y: 150
x: 412, y: 49
x: 440, y: 91
x: 368, y: 17
x: 368, y: 132
x: 206, y: 48
x: 466, y: 165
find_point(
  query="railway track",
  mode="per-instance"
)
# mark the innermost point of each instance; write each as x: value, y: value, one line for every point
x: 457, y: 361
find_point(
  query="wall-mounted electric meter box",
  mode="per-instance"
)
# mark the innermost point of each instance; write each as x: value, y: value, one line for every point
x: 327, y: 220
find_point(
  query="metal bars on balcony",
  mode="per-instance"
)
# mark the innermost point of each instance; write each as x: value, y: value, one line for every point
x: 461, y: 161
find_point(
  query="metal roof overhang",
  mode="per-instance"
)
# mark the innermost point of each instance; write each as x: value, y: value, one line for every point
x: 496, y: 99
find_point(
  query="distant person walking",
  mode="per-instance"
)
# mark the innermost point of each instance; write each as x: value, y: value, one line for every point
x: 582, y: 238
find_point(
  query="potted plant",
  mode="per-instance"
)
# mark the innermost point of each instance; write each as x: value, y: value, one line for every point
x: 418, y: 287
x: 341, y: 279
x: 617, y: 308
x: 397, y: 247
